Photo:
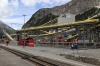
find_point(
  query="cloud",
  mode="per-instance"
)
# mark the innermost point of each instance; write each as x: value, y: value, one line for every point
x: 11, y: 10
x: 11, y: 20
x: 7, y: 6
x: 29, y: 2
x: 51, y: 3
x: 14, y: 3
x: 15, y: 22
x: 5, y: 9
x: 59, y: 2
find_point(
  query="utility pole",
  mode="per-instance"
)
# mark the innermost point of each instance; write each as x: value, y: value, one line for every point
x: 24, y: 31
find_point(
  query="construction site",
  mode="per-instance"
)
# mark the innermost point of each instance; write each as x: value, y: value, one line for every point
x: 85, y: 33
x: 68, y: 36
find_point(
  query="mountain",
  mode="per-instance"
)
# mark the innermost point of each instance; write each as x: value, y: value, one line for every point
x: 93, y: 11
x: 7, y: 28
x: 45, y: 14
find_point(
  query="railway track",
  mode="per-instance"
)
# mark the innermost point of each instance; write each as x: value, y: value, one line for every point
x: 30, y: 58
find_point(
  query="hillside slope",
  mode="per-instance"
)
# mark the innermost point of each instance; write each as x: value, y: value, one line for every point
x: 7, y: 28
x: 45, y: 14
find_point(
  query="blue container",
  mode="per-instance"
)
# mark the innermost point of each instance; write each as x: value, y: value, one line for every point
x: 66, y: 36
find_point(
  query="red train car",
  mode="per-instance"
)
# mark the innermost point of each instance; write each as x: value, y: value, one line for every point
x: 26, y: 42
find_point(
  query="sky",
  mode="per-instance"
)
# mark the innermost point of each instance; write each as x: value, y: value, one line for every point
x: 12, y: 11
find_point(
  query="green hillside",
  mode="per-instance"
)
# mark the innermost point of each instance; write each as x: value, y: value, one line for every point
x: 87, y: 14
x: 45, y: 19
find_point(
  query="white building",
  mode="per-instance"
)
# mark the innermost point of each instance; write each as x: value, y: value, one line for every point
x: 66, y: 18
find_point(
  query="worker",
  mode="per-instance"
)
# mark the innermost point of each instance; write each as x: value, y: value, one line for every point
x: 72, y: 46
x: 7, y: 43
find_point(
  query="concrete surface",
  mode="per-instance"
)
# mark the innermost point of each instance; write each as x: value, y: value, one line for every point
x: 50, y: 52
x: 9, y: 59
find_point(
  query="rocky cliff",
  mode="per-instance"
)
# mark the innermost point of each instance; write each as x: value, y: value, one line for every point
x: 45, y: 14
x: 5, y: 27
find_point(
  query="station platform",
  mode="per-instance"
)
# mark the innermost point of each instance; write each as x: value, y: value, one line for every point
x: 9, y: 59
x: 50, y: 52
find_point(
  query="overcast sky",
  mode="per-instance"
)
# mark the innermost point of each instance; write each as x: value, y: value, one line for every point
x: 11, y: 11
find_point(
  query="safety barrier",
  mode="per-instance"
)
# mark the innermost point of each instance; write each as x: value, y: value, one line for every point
x: 67, y: 44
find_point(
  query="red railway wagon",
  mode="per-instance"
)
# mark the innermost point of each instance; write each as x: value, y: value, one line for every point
x: 26, y: 42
